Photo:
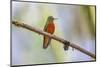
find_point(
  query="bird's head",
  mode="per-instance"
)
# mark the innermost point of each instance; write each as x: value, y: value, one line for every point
x: 51, y: 18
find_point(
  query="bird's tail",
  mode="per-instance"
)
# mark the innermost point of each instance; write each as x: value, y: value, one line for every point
x: 46, y: 42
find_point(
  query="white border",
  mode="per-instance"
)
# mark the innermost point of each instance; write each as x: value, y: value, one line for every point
x: 5, y: 33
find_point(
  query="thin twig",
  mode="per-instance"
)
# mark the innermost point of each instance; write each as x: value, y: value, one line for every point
x: 67, y: 43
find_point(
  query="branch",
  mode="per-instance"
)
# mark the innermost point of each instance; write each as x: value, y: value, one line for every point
x: 67, y: 43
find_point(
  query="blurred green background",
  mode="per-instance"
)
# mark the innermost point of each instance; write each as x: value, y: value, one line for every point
x: 76, y: 23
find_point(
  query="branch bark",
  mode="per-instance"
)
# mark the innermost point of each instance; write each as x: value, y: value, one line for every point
x: 65, y: 42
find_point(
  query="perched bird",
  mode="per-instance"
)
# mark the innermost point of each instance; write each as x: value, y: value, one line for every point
x: 49, y: 28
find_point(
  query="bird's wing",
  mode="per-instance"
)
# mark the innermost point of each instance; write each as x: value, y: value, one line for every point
x: 46, y: 40
x: 45, y: 27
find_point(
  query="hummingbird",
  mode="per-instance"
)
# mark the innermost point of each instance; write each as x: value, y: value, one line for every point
x: 49, y: 28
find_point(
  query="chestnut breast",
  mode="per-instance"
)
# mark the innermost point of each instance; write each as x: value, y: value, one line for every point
x: 51, y: 28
